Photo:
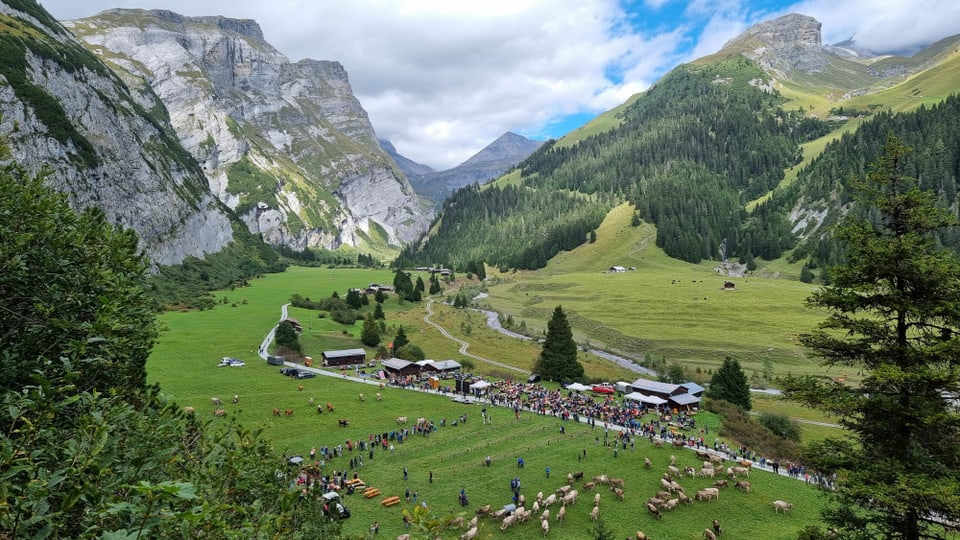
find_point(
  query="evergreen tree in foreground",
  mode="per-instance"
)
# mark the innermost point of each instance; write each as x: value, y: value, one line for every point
x: 894, y: 315
x: 558, y: 359
x: 729, y: 383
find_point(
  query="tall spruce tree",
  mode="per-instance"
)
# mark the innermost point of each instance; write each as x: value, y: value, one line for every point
x: 399, y: 340
x: 558, y: 359
x: 729, y: 383
x: 894, y: 316
x: 370, y: 335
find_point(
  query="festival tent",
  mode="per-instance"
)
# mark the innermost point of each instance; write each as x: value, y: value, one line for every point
x: 577, y: 387
x: 480, y: 387
x: 650, y: 400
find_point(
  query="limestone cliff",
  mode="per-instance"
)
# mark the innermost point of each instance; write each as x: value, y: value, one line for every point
x: 65, y: 110
x: 286, y: 145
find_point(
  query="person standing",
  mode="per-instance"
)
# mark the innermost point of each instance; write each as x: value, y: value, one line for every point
x: 548, y: 471
x: 404, y: 474
x: 431, y: 477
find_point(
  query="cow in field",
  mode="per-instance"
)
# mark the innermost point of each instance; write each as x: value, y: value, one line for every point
x: 343, y: 422
x: 216, y: 401
x: 401, y: 420
x: 219, y: 412
x: 189, y: 410
x: 288, y: 412
x: 595, y: 513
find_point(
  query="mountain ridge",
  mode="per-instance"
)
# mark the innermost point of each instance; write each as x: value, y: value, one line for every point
x: 487, y: 164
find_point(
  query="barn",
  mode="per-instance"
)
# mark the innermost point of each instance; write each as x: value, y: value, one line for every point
x: 345, y: 357
x: 399, y: 367
x: 440, y: 367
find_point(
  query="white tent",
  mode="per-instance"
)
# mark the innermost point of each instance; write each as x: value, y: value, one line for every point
x: 577, y: 387
x: 480, y: 387
x: 642, y: 398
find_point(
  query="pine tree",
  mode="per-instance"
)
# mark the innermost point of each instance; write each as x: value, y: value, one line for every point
x: 370, y: 335
x: 895, y: 316
x: 558, y: 359
x: 729, y: 383
x: 378, y: 312
x: 400, y: 339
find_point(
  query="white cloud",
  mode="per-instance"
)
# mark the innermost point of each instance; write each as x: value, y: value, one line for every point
x: 441, y: 79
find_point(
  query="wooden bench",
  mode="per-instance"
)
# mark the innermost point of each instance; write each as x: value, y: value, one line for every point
x: 390, y: 501
x: 371, y: 493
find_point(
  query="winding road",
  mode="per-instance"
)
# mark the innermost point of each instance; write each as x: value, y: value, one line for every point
x: 463, y: 344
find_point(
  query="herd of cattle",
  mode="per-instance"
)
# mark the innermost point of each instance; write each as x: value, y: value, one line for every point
x: 669, y: 498
x: 672, y: 496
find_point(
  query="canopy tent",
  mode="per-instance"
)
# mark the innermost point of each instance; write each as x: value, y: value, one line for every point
x: 642, y: 398
x: 480, y: 387
x: 577, y: 387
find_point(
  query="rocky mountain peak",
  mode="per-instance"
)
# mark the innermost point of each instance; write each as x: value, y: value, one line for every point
x: 791, y: 42
x: 245, y: 27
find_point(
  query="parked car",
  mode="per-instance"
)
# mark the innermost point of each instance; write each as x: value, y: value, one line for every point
x: 289, y: 371
x: 226, y: 361
x: 604, y: 389
x: 533, y: 378
x: 304, y: 374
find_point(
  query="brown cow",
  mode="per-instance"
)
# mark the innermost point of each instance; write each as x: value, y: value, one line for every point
x: 189, y: 410
x: 743, y: 485
x: 288, y: 412
x: 276, y: 412
x: 330, y: 407
x: 219, y: 412
x: 708, y: 535
x: 641, y: 536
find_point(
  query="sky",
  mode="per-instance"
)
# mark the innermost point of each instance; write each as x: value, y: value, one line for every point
x: 441, y: 79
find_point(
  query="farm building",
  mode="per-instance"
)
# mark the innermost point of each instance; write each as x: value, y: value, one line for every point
x: 693, y: 388
x: 399, y: 367
x: 294, y: 323
x: 679, y: 396
x: 439, y: 366
x: 644, y: 399
x: 345, y: 357
x: 684, y: 401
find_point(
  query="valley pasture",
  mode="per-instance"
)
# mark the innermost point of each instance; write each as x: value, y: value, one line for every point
x: 184, y: 364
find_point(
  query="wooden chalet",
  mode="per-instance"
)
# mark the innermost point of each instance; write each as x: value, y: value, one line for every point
x: 345, y: 357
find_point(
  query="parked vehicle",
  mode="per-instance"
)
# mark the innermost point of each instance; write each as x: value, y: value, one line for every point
x: 333, y: 507
x: 226, y: 361
x: 304, y: 374
x: 289, y: 371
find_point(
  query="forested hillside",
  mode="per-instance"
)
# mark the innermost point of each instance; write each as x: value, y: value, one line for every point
x: 933, y: 134
x: 690, y: 154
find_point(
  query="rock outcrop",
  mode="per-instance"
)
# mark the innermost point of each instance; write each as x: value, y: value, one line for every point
x: 791, y: 42
x: 286, y: 145
x: 65, y: 111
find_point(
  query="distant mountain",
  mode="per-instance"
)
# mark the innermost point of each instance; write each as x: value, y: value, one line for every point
x: 489, y: 163
x: 407, y: 165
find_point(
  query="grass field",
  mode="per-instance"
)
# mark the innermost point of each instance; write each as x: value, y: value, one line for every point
x: 455, y: 455
x: 184, y: 364
x: 665, y: 308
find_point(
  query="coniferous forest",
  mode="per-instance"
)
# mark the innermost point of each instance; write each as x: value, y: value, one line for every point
x: 690, y: 155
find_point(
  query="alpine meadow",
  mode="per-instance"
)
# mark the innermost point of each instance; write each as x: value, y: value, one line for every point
x: 726, y: 308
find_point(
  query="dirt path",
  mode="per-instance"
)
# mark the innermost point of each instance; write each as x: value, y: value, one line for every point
x: 463, y: 344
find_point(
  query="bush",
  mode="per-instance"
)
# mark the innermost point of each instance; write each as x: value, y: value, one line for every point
x: 740, y: 426
x: 781, y: 425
